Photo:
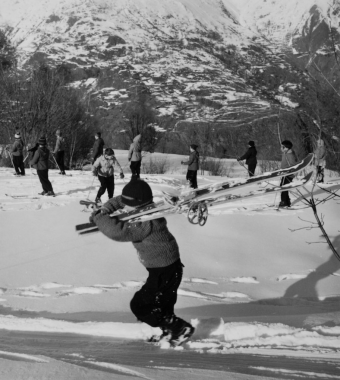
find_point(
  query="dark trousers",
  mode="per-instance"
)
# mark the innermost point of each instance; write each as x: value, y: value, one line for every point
x: 251, y: 169
x: 106, y: 183
x: 135, y: 168
x: 285, y: 194
x: 45, y: 182
x: 192, y: 178
x: 156, y: 299
x: 18, y: 162
x: 59, y: 157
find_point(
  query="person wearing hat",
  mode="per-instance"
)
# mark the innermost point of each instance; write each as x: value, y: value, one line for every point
x: 193, y: 166
x: 250, y: 157
x: 59, y: 152
x: 98, y: 147
x: 135, y: 156
x: 289, y: 158
x: 157, y: 251
x: 104, y: 169
x: 17, y: 154
x: 40, y: 162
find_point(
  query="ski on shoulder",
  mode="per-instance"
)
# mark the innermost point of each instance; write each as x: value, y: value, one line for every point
x: 197, y: 210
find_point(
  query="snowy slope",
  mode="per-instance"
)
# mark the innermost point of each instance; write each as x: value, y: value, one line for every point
x: 252, y: 287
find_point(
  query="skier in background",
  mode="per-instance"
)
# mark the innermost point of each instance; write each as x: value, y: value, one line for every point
x: 158, y: 251
x: 98, y: 147
x: 40, y: 162
x: 250, y: 157
x: 135, y: 156
x: 193, y: 166
x: 289, y: 158
x: 17, y: 154
x: 320, y: 160
x: 104, y: 169
x: 59, y: 152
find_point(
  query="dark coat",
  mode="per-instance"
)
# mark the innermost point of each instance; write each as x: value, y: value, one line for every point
x: 250, y: 156
x: 17, y: 147
x: 193, y: 161
x: 40, y: 158
x: 98, y: 148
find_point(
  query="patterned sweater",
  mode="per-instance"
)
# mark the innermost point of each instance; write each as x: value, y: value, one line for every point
x: 155, y: 245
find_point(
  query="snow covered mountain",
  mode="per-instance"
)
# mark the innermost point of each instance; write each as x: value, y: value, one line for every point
x: 306, y: 27
x: 192, y: 55
x: 197, y: 58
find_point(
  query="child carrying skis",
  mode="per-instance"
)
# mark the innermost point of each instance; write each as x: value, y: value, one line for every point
x: 103, y: 167
x: 158, y: 251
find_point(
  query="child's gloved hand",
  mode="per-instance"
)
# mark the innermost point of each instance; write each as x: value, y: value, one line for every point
x: 93, y: 214
x: 121, y: 175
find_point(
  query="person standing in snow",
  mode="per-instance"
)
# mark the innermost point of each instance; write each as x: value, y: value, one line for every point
x: 16, y: 150
x: 135, y: 156
x: 40, y: 162
x: 250, y: 157
x: 320, y: 160
x: 193, y: 166
x: 98, y: 147
x: 158, y: 251
x: 289, y: 158
x: 59, y: 152
x: 104, y: 169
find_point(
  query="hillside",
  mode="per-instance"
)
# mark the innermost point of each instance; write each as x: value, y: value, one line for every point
x: 194, y: 57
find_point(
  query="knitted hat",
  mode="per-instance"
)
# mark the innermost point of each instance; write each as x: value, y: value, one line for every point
x: 42, y: 140
x: 137, y: 193
x: 251, y: 143
x: 288, y: 144
x: 98, y: 134
x: 17, y: 135
x: 58, y: 132
x: 109, y: 152
x: 193, y: 146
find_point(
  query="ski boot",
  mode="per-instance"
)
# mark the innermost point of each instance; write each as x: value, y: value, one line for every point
x: 180, y: 330
x: 42, y: 193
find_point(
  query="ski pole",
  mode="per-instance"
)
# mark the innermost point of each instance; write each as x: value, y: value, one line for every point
x: 31, y: 181
x: 244, y: 166
x: 56, y: 162
x: 26, y: 157
x: 10, y: 156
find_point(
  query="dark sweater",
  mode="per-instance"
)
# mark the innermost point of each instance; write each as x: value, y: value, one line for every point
x: 155, y: 245
x: 193, y: 162
x: 250, y: 156
x: 17, y: 147
x: 40, y: 158
x: 98, y: 148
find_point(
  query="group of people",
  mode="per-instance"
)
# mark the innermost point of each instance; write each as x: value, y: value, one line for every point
x: 39, y: 159
x: 157, y: 248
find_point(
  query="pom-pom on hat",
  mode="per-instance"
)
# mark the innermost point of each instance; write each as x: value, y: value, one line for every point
x: 42, y: 140
x: 109, y: 152
x: 17, y: 135
x: 137, y: 193
x: 251, y: 143
x: 288, y: 144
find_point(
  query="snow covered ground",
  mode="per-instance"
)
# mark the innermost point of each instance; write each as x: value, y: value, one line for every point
x: 264, y: 299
